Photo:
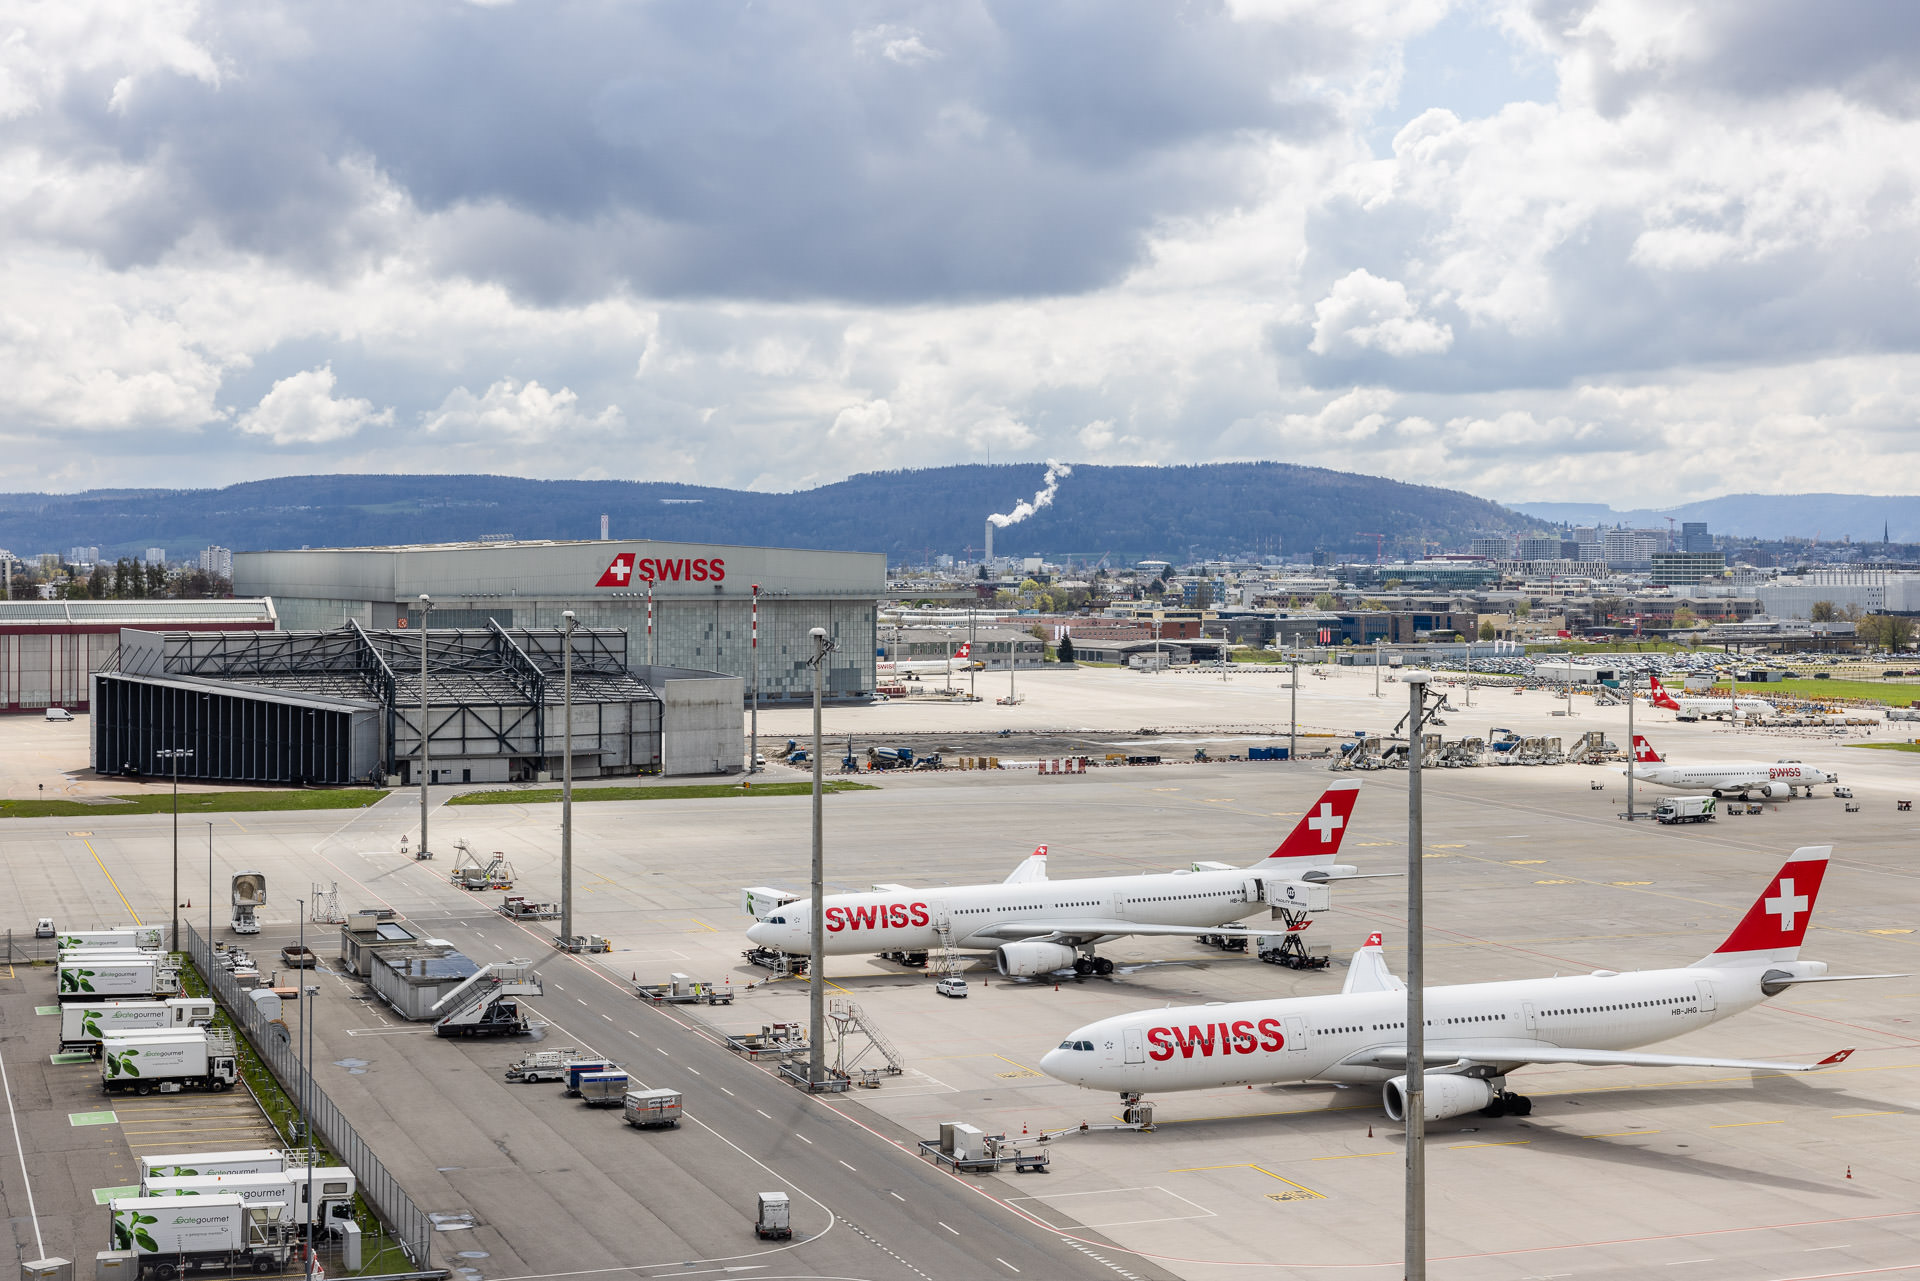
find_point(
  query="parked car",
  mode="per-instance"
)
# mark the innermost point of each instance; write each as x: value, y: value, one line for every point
x: 951, y: 986
x: 43, y: 928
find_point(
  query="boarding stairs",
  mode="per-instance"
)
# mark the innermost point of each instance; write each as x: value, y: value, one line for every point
x: 846, y: 1021
x: 483, y: 1002
x: 949, y: 955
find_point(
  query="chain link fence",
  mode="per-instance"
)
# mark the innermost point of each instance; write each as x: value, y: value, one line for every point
x: 404, y: 1220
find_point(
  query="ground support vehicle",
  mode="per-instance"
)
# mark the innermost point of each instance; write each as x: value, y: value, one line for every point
x: 300, y: 958
x: 652, y: 1109
x: 586, y: 1067
x: 774, y: 1222
x: 544, y: 1065
x: 168, y: 1060
x: 604, y: 1089
x: 681, y: 990
x: 84, y: 1023
x: 186, y: 1165
x: 583, y: 943
x: 1685, y: 809
x: 517, y: 908
x: 145, y: 938
x: 333, y: 1188
x: 82, y: 977
x: 781, y: 963
x: 487, y: 1003
x: 172, y: 1236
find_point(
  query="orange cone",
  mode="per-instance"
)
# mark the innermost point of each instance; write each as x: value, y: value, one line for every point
x: 1369, y: 1131
x: 1849, y: 1172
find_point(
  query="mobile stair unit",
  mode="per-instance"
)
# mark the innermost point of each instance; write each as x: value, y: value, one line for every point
x: 487, y: 1003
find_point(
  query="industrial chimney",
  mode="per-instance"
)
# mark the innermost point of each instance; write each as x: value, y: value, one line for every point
x: 603, y: 527
x: 987, y: 558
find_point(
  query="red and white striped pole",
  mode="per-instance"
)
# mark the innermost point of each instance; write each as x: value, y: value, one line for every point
x: 753, y: 749
x: 650, y: 658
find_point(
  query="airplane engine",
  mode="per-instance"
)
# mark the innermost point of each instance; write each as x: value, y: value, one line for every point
x: 1777, y: 790
x: 1023, y: 960
x: 1446, y: 1096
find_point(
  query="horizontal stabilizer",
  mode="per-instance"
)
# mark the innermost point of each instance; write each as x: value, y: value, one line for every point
x: 1462, y: 1054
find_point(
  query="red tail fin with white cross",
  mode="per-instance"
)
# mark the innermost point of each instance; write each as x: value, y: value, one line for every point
x: 1316, y: 837
x: 1660, y: 696
x: 1643, y: 753
x: 1776, y: 923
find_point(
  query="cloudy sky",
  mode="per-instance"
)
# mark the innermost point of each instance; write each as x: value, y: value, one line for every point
x: 1627, y: 251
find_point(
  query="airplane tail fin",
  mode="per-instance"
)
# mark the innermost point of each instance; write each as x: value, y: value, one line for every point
x: 1660, y: 696
x: 1774, y: 926
x: 1032, y: 868
x: 965, y: 650
x: 1316, y: 837
x: 1643, y: 753
x: 1368, y: 971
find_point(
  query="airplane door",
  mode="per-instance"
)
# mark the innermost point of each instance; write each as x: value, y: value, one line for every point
x: 1707, y: 1002
x: 1120, y: 905
x: 1526, y: 1013
x: 1296, y: 1033
x: 1136, y: 1048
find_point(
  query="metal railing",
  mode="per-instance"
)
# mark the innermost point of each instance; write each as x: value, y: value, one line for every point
x: 408, y: 1224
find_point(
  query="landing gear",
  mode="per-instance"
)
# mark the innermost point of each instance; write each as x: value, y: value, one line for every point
x: 1085, y: 965
x: 1506, y: 1103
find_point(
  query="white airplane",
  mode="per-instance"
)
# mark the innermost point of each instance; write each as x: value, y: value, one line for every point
x: 1476, y: 1033
x: 1693, y: 709
x: 961, y: 661
x: 1035, y: 926
x: 1749, y: 780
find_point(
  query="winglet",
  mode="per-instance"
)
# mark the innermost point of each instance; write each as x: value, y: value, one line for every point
x: 1832, y: 1059
x: 1317, y: 835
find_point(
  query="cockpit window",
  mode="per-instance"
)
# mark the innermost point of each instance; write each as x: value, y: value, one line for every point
x: 1076, y: 1045
x: 776, y: 920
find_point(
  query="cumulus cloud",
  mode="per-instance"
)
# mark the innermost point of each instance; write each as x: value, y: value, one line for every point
x: 1365, y: 311
x: 301, y: 410
x: 513, y: 411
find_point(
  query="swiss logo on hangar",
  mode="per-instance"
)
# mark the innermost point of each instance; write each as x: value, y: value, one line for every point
x: 624, y: 571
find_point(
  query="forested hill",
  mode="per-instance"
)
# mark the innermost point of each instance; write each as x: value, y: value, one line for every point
x: 1131, y: 512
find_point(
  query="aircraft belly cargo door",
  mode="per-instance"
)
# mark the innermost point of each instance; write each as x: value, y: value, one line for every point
x: 1296, y: 1033
x: 1526, y: 1009
x: 1136, y: 1048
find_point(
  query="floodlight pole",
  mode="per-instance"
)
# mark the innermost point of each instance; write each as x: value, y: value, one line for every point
x: 1415, y: 1094
x: 426, y: 730
x: 1632, y: 750
x: 566, y: 785
x: 753, y: 746
x: 816, y: 924
x: 173, y: 755
x: 1293, y: 715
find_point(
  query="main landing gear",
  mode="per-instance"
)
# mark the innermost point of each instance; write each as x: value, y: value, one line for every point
x: 1085, y: 965
x: 1507, y: 1103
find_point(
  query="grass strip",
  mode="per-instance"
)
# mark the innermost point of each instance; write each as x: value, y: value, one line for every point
x: 696, y: 792
x: 346, y: 798
x: 1888, y: 747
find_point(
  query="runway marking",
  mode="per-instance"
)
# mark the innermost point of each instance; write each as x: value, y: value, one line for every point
x: 1559, y: 882
x: 724, y: 1090
x: 1302, y: 1191
x: 695, y: 1071
x: 1848, y: 1116
x: 634, y: 1035
x: 763, y: 1114
x: 1003, y: 1263
x: 850, y: 1167
x: 945, y: 1226
x: 20, y: 1150
x: 116, y: 885
x: 1511, y: 1143
x: 895, y: 1195
x: 803, y: 1138
x: 1625, y: 1134
x: 1526, y: 862
x: 1627, y: 883
x: 1150, y: 1187
x: 1735, y: 1125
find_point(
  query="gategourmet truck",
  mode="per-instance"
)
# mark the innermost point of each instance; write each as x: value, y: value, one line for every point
x: 144, y: 939
x: 170, y: 1235
x: 85, y: 978
x: 186, y: 1165
x: 333, y: 1188
x: 84, y: 1023
x: 169, y: 1061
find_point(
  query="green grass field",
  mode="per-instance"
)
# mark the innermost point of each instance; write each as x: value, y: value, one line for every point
x: 1891, y: 693
x: 695, y: 792
x: 350, y: 798
x: 1888, y: 747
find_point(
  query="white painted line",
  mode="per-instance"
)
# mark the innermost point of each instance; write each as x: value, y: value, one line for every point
x: 1003, y: 1263
x: 658, y: 1050
x: 21, y: 1151
x: 850, y: 1167
x: 581, y: 999
x: 634, y: 1035
x: 803, y: 1138
x: 945, y: 1226
x: 1681, y: 1263
x: 763, y: 1114
x: 695, y: 1071
x: 724, y: 1090
x: 607, y: 1017
x: 896, y: 1196
x: 1815, y: 1249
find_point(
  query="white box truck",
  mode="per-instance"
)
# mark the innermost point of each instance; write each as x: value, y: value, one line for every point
x: 85, y: 978
x: 145, y: 938
x: 185, y: 1165
x: 333, y: 1189
x: 84, y: 1023
x: 169, y: 1060
x: 170, y: 1235
x: 1685, y: 809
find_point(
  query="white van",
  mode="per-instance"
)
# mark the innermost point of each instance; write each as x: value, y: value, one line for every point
x: 59, y: 714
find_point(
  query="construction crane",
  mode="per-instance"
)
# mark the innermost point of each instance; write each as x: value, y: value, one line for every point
x: 1379, y: 542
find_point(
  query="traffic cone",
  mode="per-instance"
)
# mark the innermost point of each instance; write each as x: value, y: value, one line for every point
x: 1023, y: 1133
x: 1849, y: 1172
x: 1369, y: 1131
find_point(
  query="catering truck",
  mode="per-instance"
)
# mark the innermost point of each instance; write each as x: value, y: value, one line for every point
x: 146, y: 938
x: 185, y: 1165
x: 167, y: 1235
x: 83, y: 1023
x: 168, y: 1060
x: 88, y: 977
x: 333, y: 1189
x: 1684, y: 809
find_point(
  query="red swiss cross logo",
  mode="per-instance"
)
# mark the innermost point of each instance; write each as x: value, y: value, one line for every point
x: 618, y: 574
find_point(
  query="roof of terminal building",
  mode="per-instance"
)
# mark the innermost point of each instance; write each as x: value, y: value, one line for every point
x: 135, y: 613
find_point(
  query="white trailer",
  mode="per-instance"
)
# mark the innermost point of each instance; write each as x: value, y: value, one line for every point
x: 185, y: 1165
x: 145, y: 938
x: 84, y: 1023
x: 87, y: 979
x: 333, y: 1189
x: 169, y: 1061
x: 168, y: 1235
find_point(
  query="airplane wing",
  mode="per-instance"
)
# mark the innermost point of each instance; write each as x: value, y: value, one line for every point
x: 1457, y: 1055
x: 1086, y: 930
x: 1032, y: 868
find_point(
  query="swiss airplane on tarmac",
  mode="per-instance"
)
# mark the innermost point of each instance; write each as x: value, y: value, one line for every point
x: 1750, y: 780
x: 1693, y: 709
x: 1476, y: 1033
x: 1035, y: 926
x: 961, y: 661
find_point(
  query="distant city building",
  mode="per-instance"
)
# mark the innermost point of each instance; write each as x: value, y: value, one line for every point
x: 1694, y: 536
x: 1868, y: 591
x: 1586, y: 536
x: 49, y: 563
x: 1537, y: 549
x: 1497, y: 547
x: 1675, y: 569
x: 83, y: 555
x: 156, y: 556
x: 218, y: 562
x: 1623, y: 547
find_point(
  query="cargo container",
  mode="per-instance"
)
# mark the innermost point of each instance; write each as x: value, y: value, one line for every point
x: 603, y: 1089
x: 184, y: 1165
x: 84, y: 1023
x: 333, y: 1188
x: 145, y: 938
x: 89, y: 979
x: 646, y: 1109
x: 169, y: 1061
x: 775, y: 1220
x: 581, y: 1067
x: 169, y: 1236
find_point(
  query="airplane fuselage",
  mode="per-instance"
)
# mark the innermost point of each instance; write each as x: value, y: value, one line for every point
x: 1696, y: 708
x: 1309, y: 1038
x: 1732, y: 776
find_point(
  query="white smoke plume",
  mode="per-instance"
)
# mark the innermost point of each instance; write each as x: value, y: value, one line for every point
x: 1044, y: 498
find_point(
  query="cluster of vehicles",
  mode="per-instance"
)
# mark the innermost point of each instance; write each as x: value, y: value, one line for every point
x: 601, y: 1083
x: 248, y: 1211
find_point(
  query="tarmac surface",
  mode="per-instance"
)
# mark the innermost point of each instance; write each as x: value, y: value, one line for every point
x: 1617, y: 1173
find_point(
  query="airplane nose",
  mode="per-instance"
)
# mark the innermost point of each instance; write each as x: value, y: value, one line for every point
x: 758, y: 932
x: 1052, y: 1061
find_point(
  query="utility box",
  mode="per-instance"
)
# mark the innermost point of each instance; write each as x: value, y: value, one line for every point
x: 969, y: 1141
x: 349, y: 1232
x: 48, y: 1270
x: 116, y: 1265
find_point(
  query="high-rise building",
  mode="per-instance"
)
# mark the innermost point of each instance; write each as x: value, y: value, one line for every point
x: 1694, y: 536
x: 1586, y: 535
x: 1631, y: 547
x: 83, y: 555
x: 1537, y: 549
x: 218, y: 562
x: 1493, y: 547
x: 156, y: 556
x: 1674, y: 569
